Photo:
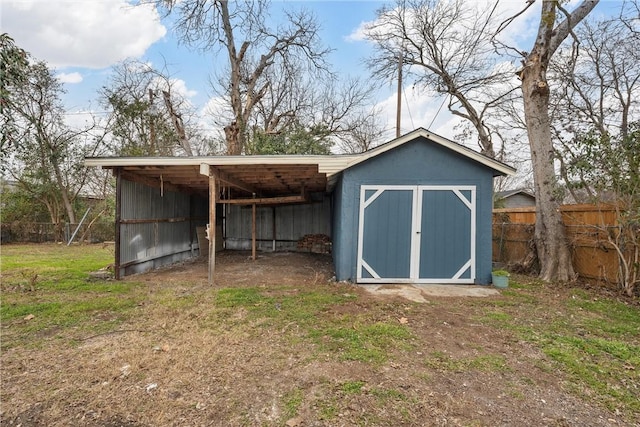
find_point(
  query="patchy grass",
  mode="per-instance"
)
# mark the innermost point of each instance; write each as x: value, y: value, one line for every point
x: 355, y: 340
x: 46, y: 290
x: 248, y: 351
x: 292, y: 402
x: 349, y: 337
x: 594, y: 340
x: 485, y: 362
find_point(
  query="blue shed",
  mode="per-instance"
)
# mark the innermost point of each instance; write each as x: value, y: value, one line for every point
x: 415, y: 210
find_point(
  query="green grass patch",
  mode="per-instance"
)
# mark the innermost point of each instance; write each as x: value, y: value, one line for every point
x: 240, y: 297
x: 46, y: 288
x: 328, y: 409
x: 496, y: 318
x: 355, y: 341
x: 607, y: 367
x: 47, y: 259
x: 292, y: 402
x: 352, y: 387
x: 345, y: 337
x: 606, y: 317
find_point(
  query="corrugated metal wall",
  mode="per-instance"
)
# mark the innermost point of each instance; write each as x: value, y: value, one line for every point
x: 163, y: 227
x: 292, y: 222
x: 160, y: 228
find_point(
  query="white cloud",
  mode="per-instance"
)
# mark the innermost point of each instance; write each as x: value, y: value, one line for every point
x: 69, y: 77
x: 179, y: 86
x: 91, y: 34
x: 359, y: 34
x: 214, y: 116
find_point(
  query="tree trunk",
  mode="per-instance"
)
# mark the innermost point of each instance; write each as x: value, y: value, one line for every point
x: 232, y: 132
x: 66, y: 200
x: 550, y: 234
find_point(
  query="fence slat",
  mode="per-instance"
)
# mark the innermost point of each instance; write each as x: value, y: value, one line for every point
x: 588, y: 228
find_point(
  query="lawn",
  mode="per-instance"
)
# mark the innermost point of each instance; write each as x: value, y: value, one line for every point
x: 276, y: 343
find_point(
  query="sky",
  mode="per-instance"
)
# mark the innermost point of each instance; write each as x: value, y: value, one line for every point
x: 82, y: 39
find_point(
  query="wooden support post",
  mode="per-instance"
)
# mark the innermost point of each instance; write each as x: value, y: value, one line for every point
x: 253, y: 231
x: 116, y: 264
x: 273, y: 226
x: 192, y: 234
x: 213, y: 193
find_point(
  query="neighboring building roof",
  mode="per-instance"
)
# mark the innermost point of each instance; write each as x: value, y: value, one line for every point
x: 510, y: 193
x: 517, y: 198
x: 269, y: 174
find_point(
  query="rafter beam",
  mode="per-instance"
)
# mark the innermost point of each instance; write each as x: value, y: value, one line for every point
x: 221, y: 176
x: 160, y: 183
x: 265, y: 200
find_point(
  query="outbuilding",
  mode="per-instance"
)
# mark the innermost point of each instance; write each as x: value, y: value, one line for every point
x: 414, y: 210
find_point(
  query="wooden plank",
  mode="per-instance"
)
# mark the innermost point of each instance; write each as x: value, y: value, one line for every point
x: 253, y: 232
x: 213, y: 194
x: 157, y: 220
x: 265, y: 200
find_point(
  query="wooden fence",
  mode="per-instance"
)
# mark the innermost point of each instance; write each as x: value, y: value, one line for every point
x: 589, y: 228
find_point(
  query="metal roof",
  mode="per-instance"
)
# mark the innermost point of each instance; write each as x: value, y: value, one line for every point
x: 266, y: 175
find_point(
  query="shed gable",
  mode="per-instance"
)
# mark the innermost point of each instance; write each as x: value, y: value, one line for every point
x: 419, y: 159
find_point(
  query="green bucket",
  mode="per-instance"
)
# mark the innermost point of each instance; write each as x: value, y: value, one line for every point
x: 500, y: 281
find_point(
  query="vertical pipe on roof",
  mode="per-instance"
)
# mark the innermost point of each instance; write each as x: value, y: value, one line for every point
x: 116, y: 268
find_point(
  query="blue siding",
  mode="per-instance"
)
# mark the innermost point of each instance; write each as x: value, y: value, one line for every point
x: 338, y: 233
x: 418, y: 162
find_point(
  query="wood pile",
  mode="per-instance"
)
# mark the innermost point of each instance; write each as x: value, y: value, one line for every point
x: 316, y: 243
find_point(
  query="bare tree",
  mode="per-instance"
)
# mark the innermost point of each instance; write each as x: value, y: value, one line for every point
x: 252, y: 49
x: 446, y: 47
x: 550, y: 235
x: 365, y: 132
x: 41, y: 152
x: 598, y: 95
x: 147, y: 113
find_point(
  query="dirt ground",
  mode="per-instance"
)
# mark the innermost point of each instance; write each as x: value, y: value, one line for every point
x: 174, y: 371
